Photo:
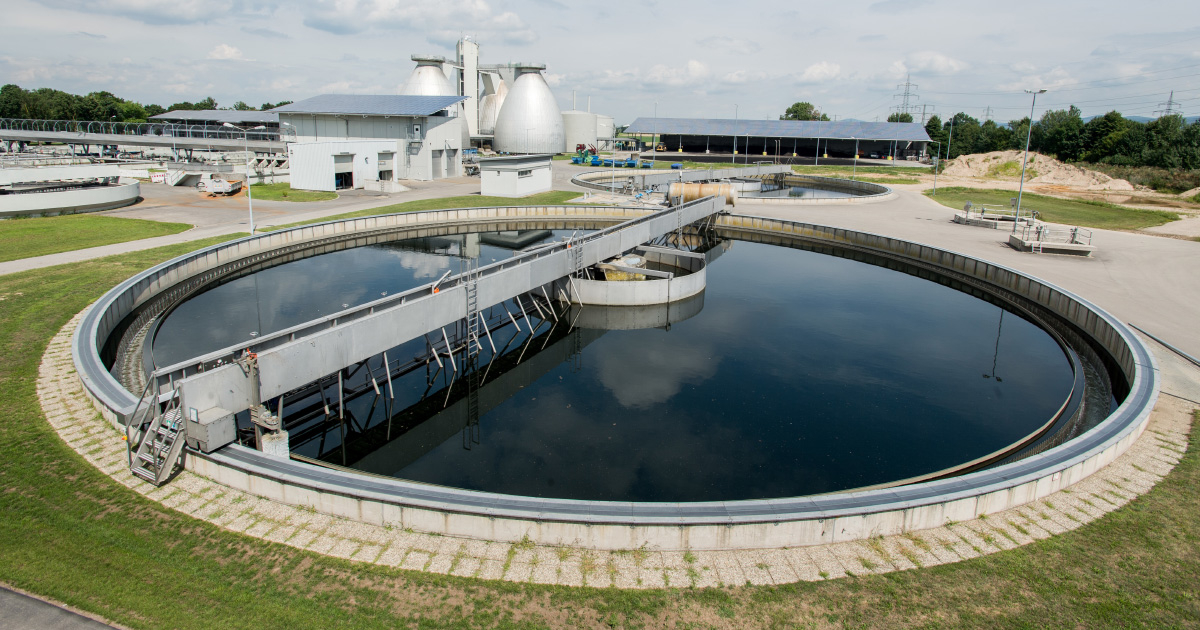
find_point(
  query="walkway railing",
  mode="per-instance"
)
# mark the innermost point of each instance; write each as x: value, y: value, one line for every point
x: 164, y: 129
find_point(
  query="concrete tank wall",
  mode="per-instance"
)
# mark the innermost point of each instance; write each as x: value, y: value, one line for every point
x: 48, y: 204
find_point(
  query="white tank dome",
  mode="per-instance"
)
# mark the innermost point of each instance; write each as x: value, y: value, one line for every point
x: 427, y: 79
x: 489, y: 109
x: 530, y: 121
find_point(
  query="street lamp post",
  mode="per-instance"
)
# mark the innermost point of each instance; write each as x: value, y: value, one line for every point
x: 855, y: 171
x: 246, y: 145
x: 935, y: 164
x: 654, y: 137
x: 735, y: 121
x: 1028, y: 135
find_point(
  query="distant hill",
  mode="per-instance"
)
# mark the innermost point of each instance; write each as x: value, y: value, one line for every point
x: 1144, y: 119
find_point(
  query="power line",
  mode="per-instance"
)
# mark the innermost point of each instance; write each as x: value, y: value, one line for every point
x: 1059, y: 87
x: 1168, y: 108
x: 908, y: 96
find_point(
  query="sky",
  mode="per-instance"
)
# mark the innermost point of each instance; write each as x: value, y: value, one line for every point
x: 694, y: 58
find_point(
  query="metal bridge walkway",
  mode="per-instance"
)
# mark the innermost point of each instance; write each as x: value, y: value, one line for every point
x: 291, y: 358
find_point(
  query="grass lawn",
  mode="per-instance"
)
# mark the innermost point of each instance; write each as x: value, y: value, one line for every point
x: 285, y: 192
x: 70, y: 533
x: 25, y: 238
x: 552, y: 198
x: 1085, y: 213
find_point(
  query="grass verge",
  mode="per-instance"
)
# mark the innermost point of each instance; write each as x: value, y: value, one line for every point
x: 552, y: 198
x: 285, y: 192
x: 1081, y: 212
x: 26, y: 238
x: 70, y: 533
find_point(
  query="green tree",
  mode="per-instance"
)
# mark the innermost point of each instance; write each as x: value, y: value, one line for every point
x: 241, y: 106
x: 803, y: 111
x: 268, y: 105
x: 1060, y: 133
x: 903, y: 117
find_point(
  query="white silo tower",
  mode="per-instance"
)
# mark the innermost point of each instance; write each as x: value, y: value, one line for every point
x: 530, y: 121
x: 580, y: 128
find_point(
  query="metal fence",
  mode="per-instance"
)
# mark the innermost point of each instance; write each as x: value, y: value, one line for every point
x: 163, y: 129
x: 1044, y: 233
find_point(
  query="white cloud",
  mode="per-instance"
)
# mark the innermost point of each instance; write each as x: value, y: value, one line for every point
x: 226, y: 52
x: 443, y: 22
x: 927, y: 62
x: 151, y: 11
x: 730, y: 45
x: 818, y: 72
x: 895, y: 7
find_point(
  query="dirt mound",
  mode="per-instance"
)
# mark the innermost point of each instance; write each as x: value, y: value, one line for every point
x: 1191, y: 193
x: 1041, y: 170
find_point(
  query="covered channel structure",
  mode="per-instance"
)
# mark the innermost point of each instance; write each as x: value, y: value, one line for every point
x: 786, y: 138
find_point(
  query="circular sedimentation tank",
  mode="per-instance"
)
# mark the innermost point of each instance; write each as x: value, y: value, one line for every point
x: 814, y: 363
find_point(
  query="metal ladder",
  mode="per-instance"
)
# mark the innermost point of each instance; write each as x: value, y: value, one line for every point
x: 161, y: 445
x: 472, y: 290
x: 1035, y: 247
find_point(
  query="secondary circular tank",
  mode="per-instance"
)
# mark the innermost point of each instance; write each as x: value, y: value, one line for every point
x: 489, y: 109
x: 580, y: 128
x: 530, y: 121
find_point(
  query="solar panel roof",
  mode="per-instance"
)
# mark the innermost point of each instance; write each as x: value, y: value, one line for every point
x: 219, y: 115
x: 842, y: 129
x: 370, y: 104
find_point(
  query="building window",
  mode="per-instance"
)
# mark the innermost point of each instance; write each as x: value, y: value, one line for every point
x: 385, y: 176
x: 524, y: 173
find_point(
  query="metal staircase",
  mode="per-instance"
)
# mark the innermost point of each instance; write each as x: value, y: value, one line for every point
x: 175, y: 175
x: 160, y: 446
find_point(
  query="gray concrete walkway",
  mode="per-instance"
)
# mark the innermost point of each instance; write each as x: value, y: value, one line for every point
x: 22, y: 612
x: 1150, y: 281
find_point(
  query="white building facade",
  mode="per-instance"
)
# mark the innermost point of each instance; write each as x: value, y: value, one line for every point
x: 515, y: 175
x: 373, y: 142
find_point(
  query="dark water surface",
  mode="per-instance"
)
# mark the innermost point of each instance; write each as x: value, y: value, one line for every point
x: 804, y: 373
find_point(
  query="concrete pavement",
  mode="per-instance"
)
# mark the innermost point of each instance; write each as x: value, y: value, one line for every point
x: 22, y: 612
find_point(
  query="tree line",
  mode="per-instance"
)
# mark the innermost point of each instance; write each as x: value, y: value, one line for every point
x: 1168, y: 142
x: 51, y: 104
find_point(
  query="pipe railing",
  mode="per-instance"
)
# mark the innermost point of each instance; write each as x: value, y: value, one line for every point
x: 164, y: 129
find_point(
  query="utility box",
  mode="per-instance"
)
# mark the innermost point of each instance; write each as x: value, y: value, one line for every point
x: 210, y: 429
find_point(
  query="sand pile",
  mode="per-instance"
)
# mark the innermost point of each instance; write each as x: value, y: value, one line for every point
x: 1006, y: 165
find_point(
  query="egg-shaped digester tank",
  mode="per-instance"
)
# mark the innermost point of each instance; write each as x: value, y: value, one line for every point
x: 428, y: 79
x: 489, y: 109
x: 530, y: 121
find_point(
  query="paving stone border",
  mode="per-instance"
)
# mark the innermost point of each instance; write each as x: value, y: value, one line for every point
x: 79, y: 423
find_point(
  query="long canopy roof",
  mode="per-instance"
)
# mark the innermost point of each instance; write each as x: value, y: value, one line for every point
x: 370, y: 105
x: 839, y: 130
x: 219, y: 115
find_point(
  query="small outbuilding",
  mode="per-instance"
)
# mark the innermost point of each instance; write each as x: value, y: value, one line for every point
x: 515, y: 175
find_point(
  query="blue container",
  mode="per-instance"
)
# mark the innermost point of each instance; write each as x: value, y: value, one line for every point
x: 577, y: 160
x: 630, y: 163
x: 647, y: 164
x: 595, y: 161
x: 677, y: 166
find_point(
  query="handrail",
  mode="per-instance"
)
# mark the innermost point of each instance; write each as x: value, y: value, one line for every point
x: 331, y: 320
x: 162, y: 129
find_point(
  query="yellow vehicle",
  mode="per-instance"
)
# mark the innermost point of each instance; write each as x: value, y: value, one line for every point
x: 660, y: 147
